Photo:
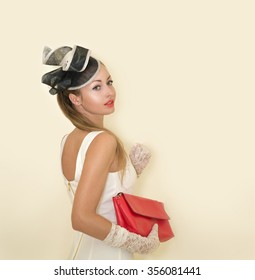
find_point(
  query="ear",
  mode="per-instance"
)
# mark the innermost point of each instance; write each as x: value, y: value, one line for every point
x: 76, y: 100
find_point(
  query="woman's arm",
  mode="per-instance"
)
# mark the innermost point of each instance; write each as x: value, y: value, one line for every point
x: 99, y: 158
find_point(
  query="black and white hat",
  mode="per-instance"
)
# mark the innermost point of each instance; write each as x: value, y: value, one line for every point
x: 77, y: 68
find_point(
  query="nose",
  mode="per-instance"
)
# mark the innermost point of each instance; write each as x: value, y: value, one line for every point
x: 110, y: 92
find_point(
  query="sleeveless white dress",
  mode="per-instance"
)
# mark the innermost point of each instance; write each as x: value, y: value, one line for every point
x: 86, y: 247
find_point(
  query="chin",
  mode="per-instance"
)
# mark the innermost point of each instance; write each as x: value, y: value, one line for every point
x: 109, y: 112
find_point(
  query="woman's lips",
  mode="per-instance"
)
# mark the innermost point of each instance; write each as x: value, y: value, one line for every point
x: 110, y: 103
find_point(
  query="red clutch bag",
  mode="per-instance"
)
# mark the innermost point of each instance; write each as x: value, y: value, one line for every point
x: 138, y: 215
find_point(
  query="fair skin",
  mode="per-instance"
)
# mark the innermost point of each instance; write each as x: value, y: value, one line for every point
x: 94, y: 102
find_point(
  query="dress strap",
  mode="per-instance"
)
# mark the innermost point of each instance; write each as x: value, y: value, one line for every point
x: 62, y: 144
x: 85, y: 145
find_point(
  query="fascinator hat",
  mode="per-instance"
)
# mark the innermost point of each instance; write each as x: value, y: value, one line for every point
x: 76, y: 68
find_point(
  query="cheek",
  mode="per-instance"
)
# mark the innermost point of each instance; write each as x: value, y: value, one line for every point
x: 91, y: 101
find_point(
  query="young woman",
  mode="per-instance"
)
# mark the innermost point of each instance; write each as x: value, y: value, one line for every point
x: 94, y: 163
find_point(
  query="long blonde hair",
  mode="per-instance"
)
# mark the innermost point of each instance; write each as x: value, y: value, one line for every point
x: 83, y: 123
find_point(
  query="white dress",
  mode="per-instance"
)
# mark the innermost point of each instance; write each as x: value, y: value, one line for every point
x: 86, y: 247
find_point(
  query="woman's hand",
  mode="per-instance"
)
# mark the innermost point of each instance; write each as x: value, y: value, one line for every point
x: 134, y: 243
x: 140, y: 157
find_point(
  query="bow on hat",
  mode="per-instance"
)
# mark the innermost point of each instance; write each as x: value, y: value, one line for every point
x: 69, y: 59
x: 72, y: 61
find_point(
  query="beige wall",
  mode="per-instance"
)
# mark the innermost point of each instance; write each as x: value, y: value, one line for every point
x: 184, y: 72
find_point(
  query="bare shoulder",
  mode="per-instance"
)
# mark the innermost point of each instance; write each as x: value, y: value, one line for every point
x: 102, y: 150
x: 104, y: 141
x: 107, y: 137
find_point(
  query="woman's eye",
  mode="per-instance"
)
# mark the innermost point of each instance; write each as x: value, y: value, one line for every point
x: 110, y: 82
x: 97, y: 87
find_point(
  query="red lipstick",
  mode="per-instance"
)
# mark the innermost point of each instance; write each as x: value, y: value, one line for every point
x: 110, y: 103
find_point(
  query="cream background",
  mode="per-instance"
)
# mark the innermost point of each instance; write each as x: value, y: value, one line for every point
x: 184, y: 72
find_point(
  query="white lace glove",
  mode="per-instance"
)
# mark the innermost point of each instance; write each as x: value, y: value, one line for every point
x: 134, y: 243
x: 139, y: 156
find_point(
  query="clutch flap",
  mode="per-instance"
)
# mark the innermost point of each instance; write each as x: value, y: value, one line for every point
x: 146, y: 207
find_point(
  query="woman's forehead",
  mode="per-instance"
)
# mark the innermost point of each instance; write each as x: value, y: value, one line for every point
x: 103, y: 73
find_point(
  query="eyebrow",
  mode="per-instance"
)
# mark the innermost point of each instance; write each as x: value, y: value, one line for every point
x: 101, y: 80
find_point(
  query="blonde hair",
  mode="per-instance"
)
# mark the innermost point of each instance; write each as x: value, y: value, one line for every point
x: 83, y: 123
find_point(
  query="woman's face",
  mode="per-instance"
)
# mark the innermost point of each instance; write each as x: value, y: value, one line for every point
x: 98, y: 97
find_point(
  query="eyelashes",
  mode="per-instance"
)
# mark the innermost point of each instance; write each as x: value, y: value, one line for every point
x: 98, y: 87
x: 110, y: 82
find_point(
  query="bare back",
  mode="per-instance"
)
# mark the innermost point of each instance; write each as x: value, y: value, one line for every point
x: 70, y: 152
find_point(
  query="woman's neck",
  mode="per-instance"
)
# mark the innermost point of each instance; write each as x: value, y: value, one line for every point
x: 97, y: 120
